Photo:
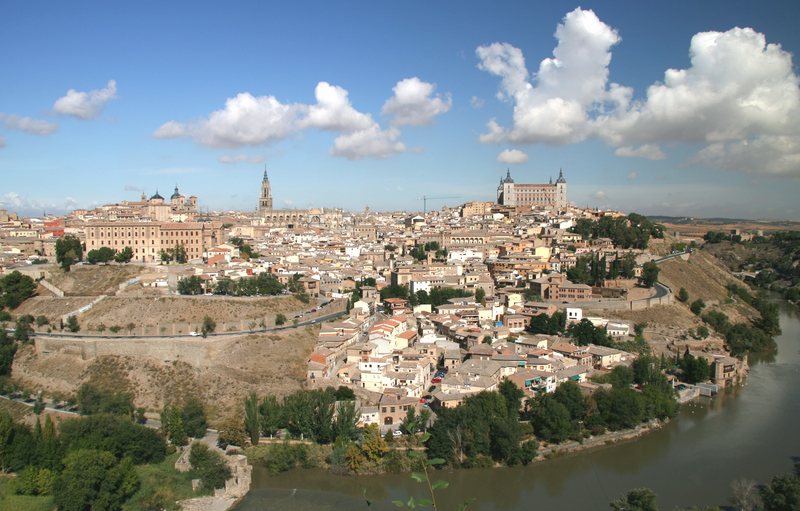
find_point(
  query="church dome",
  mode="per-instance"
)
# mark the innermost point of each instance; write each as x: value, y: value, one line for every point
x: 156, y: 196
x: 175, y: 195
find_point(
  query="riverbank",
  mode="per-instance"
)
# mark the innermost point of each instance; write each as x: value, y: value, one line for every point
x: 548, y: 453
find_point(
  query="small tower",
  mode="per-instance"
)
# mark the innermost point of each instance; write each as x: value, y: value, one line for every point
x: 265, y: 202
x: 561, y: 191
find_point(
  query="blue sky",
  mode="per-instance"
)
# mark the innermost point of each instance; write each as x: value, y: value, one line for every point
x: 354, y: 104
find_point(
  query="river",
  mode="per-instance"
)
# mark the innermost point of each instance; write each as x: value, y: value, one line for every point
x: 747, y: 431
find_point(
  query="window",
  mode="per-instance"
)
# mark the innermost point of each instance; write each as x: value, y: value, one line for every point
x: 393, y: 409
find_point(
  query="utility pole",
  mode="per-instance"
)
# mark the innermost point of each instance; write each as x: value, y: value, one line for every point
x: 425, y: 200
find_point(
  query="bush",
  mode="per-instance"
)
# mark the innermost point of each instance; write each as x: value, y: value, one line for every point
x: 210, y: 465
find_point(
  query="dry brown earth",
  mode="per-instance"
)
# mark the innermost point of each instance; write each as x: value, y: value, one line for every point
x: 266, y: 363
x: 51, y: 307
x: 93, y: 280
x: 702, y: 276
x: 165, y: 310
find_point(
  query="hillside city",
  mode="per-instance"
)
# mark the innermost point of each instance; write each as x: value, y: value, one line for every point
x: 417, y: 317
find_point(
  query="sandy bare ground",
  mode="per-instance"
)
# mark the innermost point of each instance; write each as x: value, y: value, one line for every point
x: 93, y: 280
x: 272, y: 363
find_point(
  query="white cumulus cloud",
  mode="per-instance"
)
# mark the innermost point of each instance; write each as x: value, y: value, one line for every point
x: 413, y: 103
x: 252, y: 121
x: 740, y: 98
x: 633, y: 175
x: 600, y: 195
x: 333, y: 111
x: 512, y: 156
x: 86, y: 105
x: 245, y: 121
x: 649, y: 151
x: 28, y: 125
x: 373, y: 142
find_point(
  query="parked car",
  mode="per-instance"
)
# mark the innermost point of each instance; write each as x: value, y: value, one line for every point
x: 194, y: 334
x: 396, y: 432
x: 436, y: 380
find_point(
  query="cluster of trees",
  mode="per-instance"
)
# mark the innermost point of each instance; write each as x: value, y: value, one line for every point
x: 420, y: 252
x: 105, y: 255
x: 177, y: 253
x: 15, y: 288
x: 179, y: 423
x: 633, y: 231
x: 68, y: 251
x: 306, y: 414
x: 482, y: 431
x: 591, y: 268
x: 88, y: 464
x: 262, y: 284
x: 437, y: 296
x: 566, y: 413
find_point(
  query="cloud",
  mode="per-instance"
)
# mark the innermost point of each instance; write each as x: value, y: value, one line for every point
x: 261, y: 121
x: 373, y: 142
x: 86, y: 105
x: 740, y: 99
x: 600, y: 195
x: 28, y: 125
x: 70, y: 203
x: 413, y: 103
x: 287, y: 202
x: 2, y: 141
x: 512, y: 156
x: 649, y: 151
x: 232, y: 160
x: 632, y: 176
x: 418, y: 150
x: 259, y: 158
x: 245, y: 121
x: 132, y: 188
x: 476, y: 102
x: 333, y: 111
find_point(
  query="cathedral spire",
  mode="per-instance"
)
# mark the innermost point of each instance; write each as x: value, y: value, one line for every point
x: 266, y: 178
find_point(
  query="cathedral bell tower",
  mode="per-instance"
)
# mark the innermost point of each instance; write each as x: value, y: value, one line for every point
x: 265, y: 202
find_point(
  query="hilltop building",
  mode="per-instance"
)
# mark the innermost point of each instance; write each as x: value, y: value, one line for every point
x: 548, y: 196
x: 266, y: 215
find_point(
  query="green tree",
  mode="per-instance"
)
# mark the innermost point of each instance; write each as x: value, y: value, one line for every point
x: 252, y: 421
x: 209, y: 325
x: 650, y: 273
x: 15, y: 288
x: 551, y: 420
x: 569, y: 394
x: 8, y: 348
x: 130, y: 328
x: 177, y: 435
x: 100, y: 255
x: 513, y: 397
x: 68, y: 248
x: 641, y: 499
x: 271, y: 415
x: 280, y: 319
x: 23, y: 329
x: 374, y: 447
x: 480, y: 294
x: 210, y: 465
x: 683, y: 295
x: 783, y: 494
x: 347, y: 416
x: 232, y: 432
x: 124, y: 256
x: 193, y: 414
x: 41, y: 321
x: 179, y: 254
x: 72, y: 324
x: 94, y: 480
x: 697, y: 306
x: 192, y: 285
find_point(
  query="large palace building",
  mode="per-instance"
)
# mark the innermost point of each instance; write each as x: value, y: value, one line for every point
x: 293, y: 218
x: 548, y: 196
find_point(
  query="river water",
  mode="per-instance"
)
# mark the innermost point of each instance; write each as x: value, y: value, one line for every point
x: 751, y: 431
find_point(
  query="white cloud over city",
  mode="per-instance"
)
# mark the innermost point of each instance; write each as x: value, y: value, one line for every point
x: 262, y: 121
x: 28, y: 125
x: 512, y: 156
x: 86, y: 105
x: 740, y: 97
